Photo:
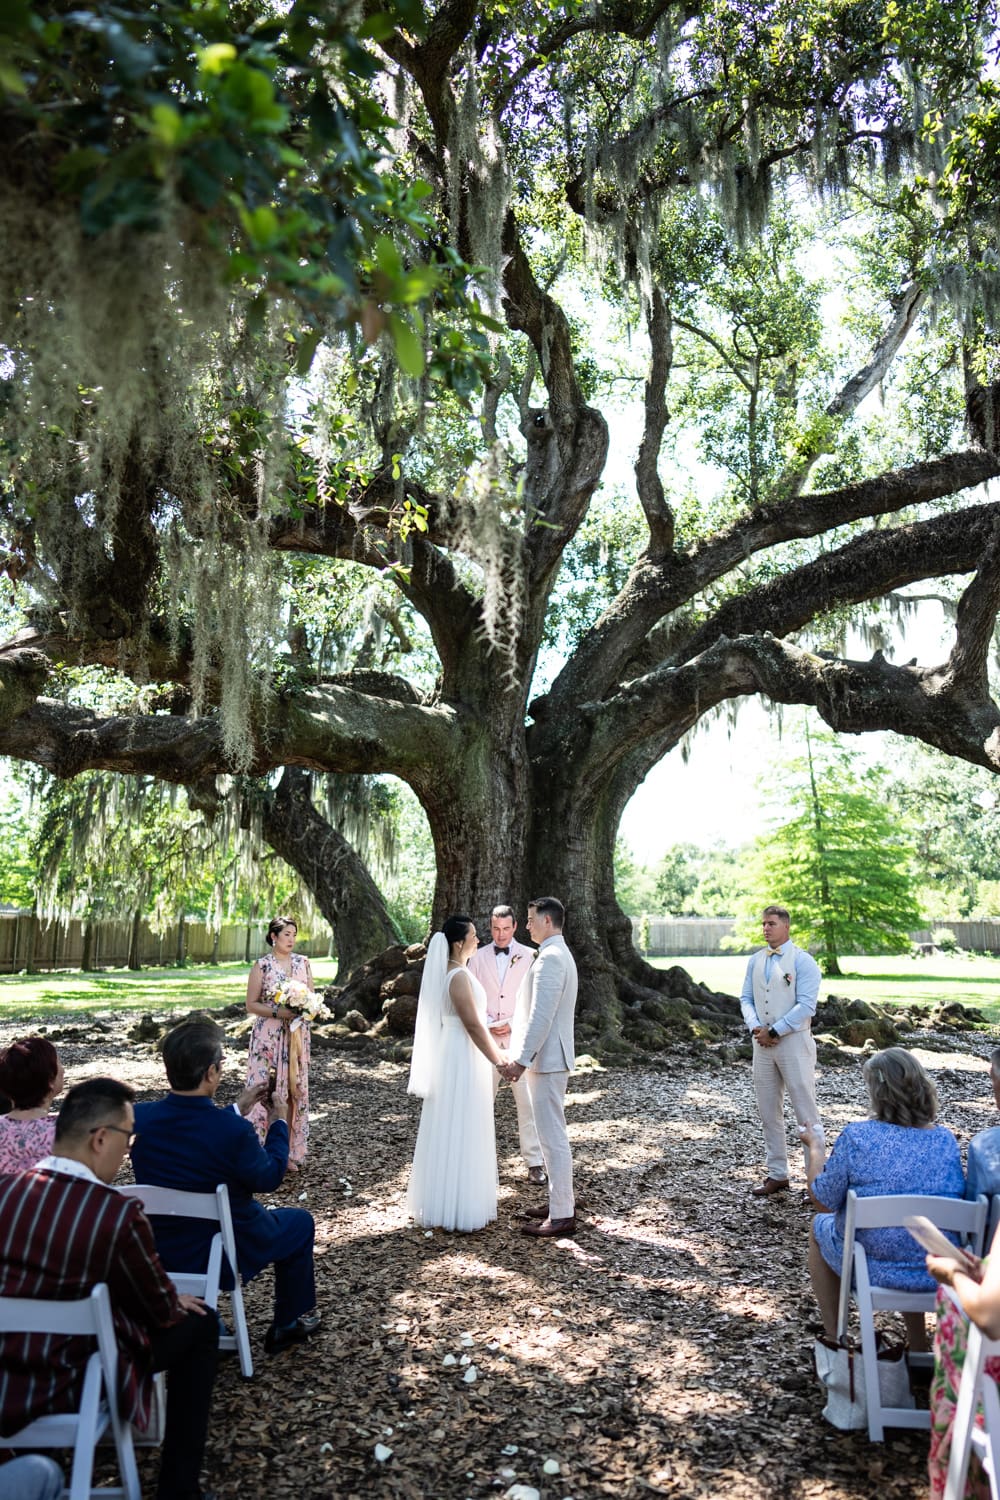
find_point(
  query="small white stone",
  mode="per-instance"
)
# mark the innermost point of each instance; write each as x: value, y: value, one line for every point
x: 507, y: 1473
x: 521, y: 1492
x: 466, y: 1340
x: 382, y: 1453
x: 550, y: 1466
x: 387, y: 1432
x: 449, y: 1360
x: 471, y: 1375
x: 428, y: 1234
x: 465, y: 1360
x: 303, y: 1197
x: 509, y: 1451
x: 326, y: 1447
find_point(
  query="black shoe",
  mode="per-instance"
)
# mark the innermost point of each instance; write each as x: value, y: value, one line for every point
x: 276, y: 1339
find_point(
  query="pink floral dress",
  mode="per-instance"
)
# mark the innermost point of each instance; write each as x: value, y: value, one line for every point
x: 23, y: 1142
x: 270, y: 1042
x: 950, y: 1340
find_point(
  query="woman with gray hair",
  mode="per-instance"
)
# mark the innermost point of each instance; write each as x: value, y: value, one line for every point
x: 899, y: 1149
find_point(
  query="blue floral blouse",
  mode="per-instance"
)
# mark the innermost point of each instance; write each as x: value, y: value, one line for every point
x: 874, y: 1158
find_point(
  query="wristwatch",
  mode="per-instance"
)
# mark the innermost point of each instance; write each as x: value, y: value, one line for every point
x: 774, y: 1035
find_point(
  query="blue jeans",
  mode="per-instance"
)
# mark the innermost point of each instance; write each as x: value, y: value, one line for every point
x: 32, y: 1477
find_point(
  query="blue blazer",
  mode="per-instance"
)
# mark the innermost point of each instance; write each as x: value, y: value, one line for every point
x: 188, y: 1142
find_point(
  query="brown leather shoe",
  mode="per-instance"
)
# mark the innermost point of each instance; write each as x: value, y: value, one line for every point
x: 537, y: 1176
x: 770, y: 1185
x: 551, y: 1228
x: 539, y: 1211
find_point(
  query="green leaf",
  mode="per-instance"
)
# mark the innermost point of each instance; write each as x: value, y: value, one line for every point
x: 409, y: 350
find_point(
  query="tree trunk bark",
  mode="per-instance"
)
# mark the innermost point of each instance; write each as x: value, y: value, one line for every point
x: 134, y: 942
x: 87, y: 960
x: 340, y: 884
x: 181, y: 941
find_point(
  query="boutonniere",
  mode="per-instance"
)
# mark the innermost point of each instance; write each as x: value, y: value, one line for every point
x: 788, y: 978
x: 515, y: 958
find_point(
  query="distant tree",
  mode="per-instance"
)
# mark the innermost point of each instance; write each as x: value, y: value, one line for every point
x: 677, y: 878
x: 721, y: 882
x: 953, y: 815
x: 841, y: 862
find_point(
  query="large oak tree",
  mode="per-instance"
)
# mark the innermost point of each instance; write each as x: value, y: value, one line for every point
x: 153, y: 497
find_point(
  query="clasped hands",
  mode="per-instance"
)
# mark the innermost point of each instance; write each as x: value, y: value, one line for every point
x: 763, y: 1038
x: 511, y: 1071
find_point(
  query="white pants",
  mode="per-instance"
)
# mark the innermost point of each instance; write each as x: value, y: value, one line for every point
x: 526, y: 1133
x: 548, y: 1092
x: 790, y: 1065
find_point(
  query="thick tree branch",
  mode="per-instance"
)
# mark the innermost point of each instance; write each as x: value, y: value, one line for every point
x: 648, y: 484
x: 867, y: 567
x: 853, y: 698
x: 975, y: 624
x: 654, y: 591
x: 329, y: 728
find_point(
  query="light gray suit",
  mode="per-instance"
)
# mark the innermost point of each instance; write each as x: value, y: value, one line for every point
x: 501, y: 1004
x: 543, y: 1044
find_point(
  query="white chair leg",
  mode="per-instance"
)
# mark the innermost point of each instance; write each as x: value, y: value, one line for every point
x: 965, y: 1416
x: 241, y: 1331
x: 990, y: 1437
x: 88, y: 1419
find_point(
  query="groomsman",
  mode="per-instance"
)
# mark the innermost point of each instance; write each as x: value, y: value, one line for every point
x: 544, y: 1048
x: 501, y: 967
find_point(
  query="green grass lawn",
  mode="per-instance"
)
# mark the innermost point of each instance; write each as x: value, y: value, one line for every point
x: 972, y: 980
x: 25, y: 997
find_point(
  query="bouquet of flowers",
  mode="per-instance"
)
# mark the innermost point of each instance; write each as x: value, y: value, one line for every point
x: 308, y: 1006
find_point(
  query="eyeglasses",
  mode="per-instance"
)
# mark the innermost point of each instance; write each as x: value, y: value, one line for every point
x: 133, y: 1135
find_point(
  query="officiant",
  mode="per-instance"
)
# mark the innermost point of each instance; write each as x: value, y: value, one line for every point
x: 501, y: 966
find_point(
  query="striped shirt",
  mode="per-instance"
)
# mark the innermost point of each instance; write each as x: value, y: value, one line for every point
x: 59, y: 1236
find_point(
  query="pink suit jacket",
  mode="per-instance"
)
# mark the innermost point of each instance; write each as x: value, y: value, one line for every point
x: 500, y: 1003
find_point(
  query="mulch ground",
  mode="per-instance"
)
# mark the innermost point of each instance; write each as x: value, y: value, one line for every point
x: 663, y: 1351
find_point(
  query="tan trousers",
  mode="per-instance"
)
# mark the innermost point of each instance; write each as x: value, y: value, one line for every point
x: 526, y: 1133
x: 791, y: 1066
x: 547, y: 1092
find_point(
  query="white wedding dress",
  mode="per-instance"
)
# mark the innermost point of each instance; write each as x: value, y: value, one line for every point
x: 453, y: 1180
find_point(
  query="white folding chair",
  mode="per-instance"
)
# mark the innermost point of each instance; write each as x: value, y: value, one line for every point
x: 966, y: 1436
x: 98, y: 1410
x: 967, y: 1219
x: 173, y: 1203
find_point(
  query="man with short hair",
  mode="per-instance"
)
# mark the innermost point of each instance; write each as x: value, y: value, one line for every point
x: 64, y: 1229
x: 779, y: 997
x: 502, y: 967
x: 544, y: 1046
x: 186, y: 1142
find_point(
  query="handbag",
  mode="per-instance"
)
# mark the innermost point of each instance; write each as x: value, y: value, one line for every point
x: 841, y: 1371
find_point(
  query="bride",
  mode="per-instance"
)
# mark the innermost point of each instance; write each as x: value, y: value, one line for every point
x: 453, y: 1181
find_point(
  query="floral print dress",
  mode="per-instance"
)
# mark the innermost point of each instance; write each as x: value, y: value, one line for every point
x: 950, y: 1342
x: 270, y: 1045
x: 23, y: 1142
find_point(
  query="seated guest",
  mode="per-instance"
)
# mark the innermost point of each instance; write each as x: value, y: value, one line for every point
x: 31, y: 1076
x: 185, y: 1141
x: 978, y: 1287
x: 63, y: 1229
x: 31, y: 1477
x: 898, y: 1150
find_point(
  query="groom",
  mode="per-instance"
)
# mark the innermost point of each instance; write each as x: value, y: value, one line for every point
x: 545, y: 1052
x: 501, y: 967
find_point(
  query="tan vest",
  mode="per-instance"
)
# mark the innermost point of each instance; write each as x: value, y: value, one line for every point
x: 774, y: 999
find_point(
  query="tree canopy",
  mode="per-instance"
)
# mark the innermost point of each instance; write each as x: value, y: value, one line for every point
x: 228, y: 398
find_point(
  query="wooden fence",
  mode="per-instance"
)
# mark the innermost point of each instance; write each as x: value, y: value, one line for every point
x: 27, y: 943
x: 688, y: 937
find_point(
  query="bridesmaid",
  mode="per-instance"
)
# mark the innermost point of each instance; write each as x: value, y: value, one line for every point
x: 272, y: 1042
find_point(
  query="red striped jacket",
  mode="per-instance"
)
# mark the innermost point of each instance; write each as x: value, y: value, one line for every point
x: 60, y: 1236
